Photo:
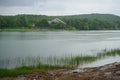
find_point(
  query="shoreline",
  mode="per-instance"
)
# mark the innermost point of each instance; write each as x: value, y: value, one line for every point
x: 105, y: 72
x: 62, y: 63
x: 38, y: 30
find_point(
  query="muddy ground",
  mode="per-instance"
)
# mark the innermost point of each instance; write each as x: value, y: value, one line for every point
x: 106, y: 72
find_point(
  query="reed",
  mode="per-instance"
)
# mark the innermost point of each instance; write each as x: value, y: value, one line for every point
x: 29, y: 64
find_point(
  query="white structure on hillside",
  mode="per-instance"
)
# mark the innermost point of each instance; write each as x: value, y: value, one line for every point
x: 56, y: 20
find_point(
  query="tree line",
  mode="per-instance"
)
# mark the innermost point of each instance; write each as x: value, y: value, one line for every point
x: 41, y: 21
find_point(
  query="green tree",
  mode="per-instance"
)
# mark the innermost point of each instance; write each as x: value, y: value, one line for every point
x: 22, y: 22
x: 43, y: 24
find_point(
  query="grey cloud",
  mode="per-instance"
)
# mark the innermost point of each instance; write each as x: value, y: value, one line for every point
x: 9, y: 3
x: 51, y: 6
x: 62, y: 7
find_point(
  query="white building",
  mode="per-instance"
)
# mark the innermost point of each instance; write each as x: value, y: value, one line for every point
x: 56, y: 20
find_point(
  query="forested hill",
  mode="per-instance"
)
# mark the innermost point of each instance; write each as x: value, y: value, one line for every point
x: 79, y: 22
x: 107, y: 17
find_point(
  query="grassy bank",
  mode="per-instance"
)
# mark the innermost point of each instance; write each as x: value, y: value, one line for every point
x: 33, y: 29
x: 35, y: 63
x: 27, y: 70
x: 21, y: 30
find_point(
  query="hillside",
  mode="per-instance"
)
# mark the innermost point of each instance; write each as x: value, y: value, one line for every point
x: 79, y: 22
x: 109, y: 17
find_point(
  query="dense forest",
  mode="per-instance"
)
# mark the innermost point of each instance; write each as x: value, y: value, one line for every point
x: 73, y: 22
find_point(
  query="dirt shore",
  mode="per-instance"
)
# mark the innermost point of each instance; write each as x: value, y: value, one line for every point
x: 106, y: 72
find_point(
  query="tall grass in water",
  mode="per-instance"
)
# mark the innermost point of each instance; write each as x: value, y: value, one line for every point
x: 112, y: 52
x: 67, y: 62
x: 28, y: 64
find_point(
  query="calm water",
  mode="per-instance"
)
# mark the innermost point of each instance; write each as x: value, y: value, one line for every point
x: 61, y: 43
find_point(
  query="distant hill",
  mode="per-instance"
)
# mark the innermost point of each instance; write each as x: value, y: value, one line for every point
x: 106, y: 17
x: 79, y: 22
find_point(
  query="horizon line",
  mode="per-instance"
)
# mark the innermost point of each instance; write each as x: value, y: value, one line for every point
x: 57, y: 15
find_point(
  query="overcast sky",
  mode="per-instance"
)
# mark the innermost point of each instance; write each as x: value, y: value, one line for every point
x: 59, y: 7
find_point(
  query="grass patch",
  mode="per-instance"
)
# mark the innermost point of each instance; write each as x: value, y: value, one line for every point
x: 27, y: 70
x: 14, y: 72
x: 21, y: 30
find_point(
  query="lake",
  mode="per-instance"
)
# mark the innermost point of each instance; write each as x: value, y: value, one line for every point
x: 56, y: 43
